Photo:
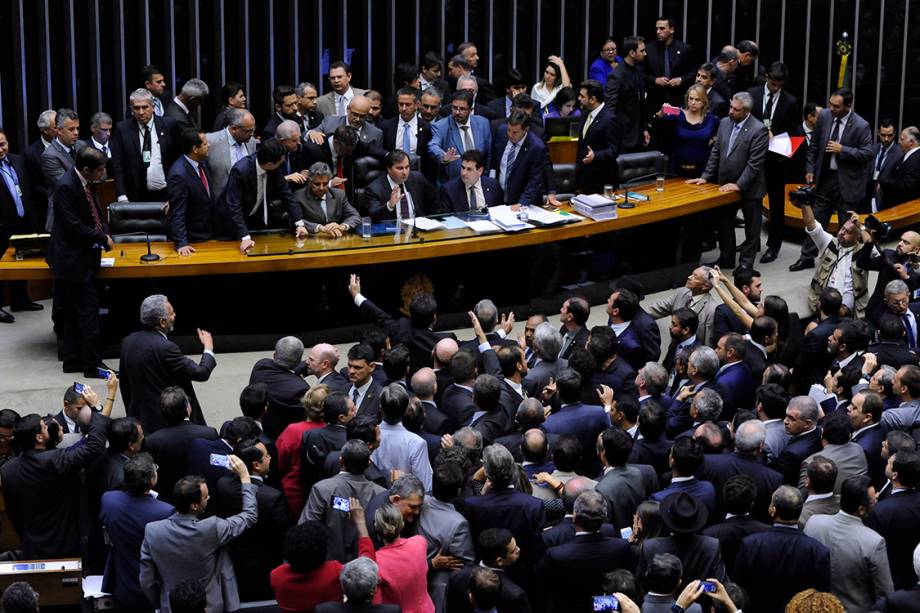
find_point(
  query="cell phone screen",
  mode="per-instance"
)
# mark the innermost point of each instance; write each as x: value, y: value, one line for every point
x: 606, y: 603
x: 341, y: 504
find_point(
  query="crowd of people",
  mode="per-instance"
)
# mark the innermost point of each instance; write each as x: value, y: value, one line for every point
x: 754, y: 461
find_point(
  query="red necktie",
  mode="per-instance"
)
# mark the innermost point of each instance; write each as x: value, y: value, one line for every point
x: 340, y: 172
x: 204, y: 179
x: 92, y: 207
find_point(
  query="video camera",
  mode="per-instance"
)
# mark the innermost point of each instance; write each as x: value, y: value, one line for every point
x: 879, y: 229
x: 803, y: 196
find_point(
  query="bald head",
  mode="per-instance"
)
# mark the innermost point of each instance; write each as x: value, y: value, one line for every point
x: 424, y: 383
x: 322, y: 359
x: 444, y: 351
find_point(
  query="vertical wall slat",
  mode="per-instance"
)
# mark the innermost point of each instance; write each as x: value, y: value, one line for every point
x: 904, y: 61
x: 805, y: 96
x: 878, y: 65
x: 854, y: 59
x: 120, y: 20
x: 514, y: 28
x: 271, y: 46
x: 172, y: 46
x: 45, y: 65
x: 295, y: 40
x: 830, y: 50
x: 146, y: 32
x: 72, y: 43
x: 782, y: 32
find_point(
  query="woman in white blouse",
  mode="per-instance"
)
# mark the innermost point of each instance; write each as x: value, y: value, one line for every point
x: 555, y: 77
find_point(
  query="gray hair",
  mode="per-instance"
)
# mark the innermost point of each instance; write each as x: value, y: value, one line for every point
x: 469, y: 438
x: 20, y: 596
x: 708, y: 404
x: 65, y: 114
x: 547, y: 341
x: 287, y: 130
x: 590, y: 509
x: 467, y: 79
x: 388, y: 522
x: 745, y: 99
x: 359, y: 579
x: 886, y: 374
x: 301, y: 88
x: 574, y: 488
x: 195, y: 88
x: 141, y: 93
x: 99, y: 119
x: 806, y: 406
x: 153, y: 309
x: 912, y: 133
x: 289, y: 352
x: 749, y: 436
x: 896, y: 287
x: 655, y: 376
x: 320, y: 169
x: 498, y: 464
x: 46, y: 119
x: 487, y: 314
x: 705, y: 361
x: 433, y: 93
x: 237, y: 116
x: 916, y: 562
x: 406, y: 486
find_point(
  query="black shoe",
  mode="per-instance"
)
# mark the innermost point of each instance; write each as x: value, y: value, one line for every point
x: 768, y: 256
x: 802, y: 264
x: 28, y: 306
x: 6, y: 318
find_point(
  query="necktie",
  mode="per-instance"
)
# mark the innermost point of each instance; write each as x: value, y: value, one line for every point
x: 473, y: 205
x: 507, y: 162
x: 588, y: 121
x: 73, y: 154
x: 835, y: 136
x: 911, y: 337
x: 880, y: 159
x: 403, y: 203
x: 12, y: 184
x: 340, y: 169
x: 736, y: 129
x: 354, y: 396
x: 667, y: 62
x: 237, y: 152
x: 145, y: 150
x: 407, y: 140
x: 566, y: 341
x: 467, y: 139
x: 105, y: 150
x: 768, y: 107
x: 204, y: 179
x: 97, y: 222
x: 157, y: 107
x: 340, y: 105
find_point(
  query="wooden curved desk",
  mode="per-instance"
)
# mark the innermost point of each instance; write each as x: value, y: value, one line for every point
x: 276, y: 253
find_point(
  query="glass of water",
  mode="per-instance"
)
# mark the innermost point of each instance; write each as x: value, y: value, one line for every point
x: 659, y: 183
x: 608, y: 192
x: 366, y: 228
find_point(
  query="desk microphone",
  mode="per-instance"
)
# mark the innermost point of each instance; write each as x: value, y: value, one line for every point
x: 149, y: 256
x: 626, y: 204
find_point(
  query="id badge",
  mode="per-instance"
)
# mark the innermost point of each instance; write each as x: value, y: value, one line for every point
x: 146, y: 157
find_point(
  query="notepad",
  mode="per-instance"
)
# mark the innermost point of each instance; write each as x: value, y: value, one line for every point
x: 424, y: 224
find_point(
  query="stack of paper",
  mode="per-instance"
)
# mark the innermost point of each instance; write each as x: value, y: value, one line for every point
x: 424, y: 224
x: 595, y: 206
x: 506, y: 219
x: 482, y: 226
x: 592, y: 201
x: 541, y: 217
x: 786, y: 145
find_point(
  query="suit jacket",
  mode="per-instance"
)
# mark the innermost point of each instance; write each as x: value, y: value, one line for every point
x: 165, y: 559
x: 605, y: 138
x: 901, y: 601
x: 730, y: 532
x: 679, y: 419
x: 787, y: 114
x: 184, y: 120
x: 127, y: 157
x: 624, y: 93
x: 124, y: 517
x: 419, y: 341
x: 511, y: 599
x: 445, y: 133
x: 902, y: 183
x: 897, y: 519
x: 742, y: 164
x: 524, y: 183
x: 699, y: 556
x: 725, y: 321
x: 681, y: 66
x: 169, y: 447
x: 739, y: 385
x: 33, y: 159
x: 240, y: 196
x: 718, y: 104
x: 42, y: 492
x: 445, y: 530
x: 717, y: 469
x: 870, y: 439
x: 56, y: 161
x: 191, y: 210
x: 455, y: 195
x: 828, y: 505
x: 10, y: 221
x: 520, y: 513
x: 150, y: 363
x: 325, y: 104
x: 815, y: 360
x: 393, y: 139
x: 285, y: 390
x: 581, y: 337
x: 457, y: 405
x: 369, y: 134
x: 540, y: 373
x: 893, y: 354
x: 705, y: 309
x: 338, y: 209
x: 343, y: 538
x: 624, y: 487
x: 859, y: 559
x: 856, y: 139
x: 424, y: 197
x: 74, y: 253
x: 199, y: 461
x: 584, y: 422
x: 654, y: 453
x: 703, y: 491
x: 775, y: 565
x: 849, y: 458
x: 573, y: 572
x: 619, y: 375
x: 789, y: 462
x: 757, y: 363
x: 220, y: 158
x: 272, y: 126
x: 889, y: 161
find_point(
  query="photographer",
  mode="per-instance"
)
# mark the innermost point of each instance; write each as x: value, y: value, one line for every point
x: 891, y: 264
x: 838, y: 262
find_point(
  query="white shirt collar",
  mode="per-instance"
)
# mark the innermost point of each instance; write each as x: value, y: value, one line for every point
x: 864, y: 428
x: 517, y: 387
x: 681, y: 479
x: 180, y: 105
x: 845, y: 361
x: 99, y: 145
x: 620, y: 328
x: 909, y: 153
x: 593, y: 114
x: 818, y: 497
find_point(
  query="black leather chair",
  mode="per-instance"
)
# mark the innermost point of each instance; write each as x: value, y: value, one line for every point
x: 634, y: 165
x: 131, y: 222
x: 367, y: 169
x: 564, y: 180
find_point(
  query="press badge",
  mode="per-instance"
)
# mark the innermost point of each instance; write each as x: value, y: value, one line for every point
x: 146, y: 157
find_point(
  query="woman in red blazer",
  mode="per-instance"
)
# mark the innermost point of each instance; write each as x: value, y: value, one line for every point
x: 403, y: 564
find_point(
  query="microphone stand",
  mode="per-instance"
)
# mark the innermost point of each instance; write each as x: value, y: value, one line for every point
x: 626, y: 204
x: 149, y: 256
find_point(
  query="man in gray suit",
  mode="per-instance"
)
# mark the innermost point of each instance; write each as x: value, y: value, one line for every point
x: 849, y: 457
x: 837, y: 161
x: 622, y: 485
x: 229, y: 146
x: 358, y: 111
x: 325, y: 209
x: 349, y: 483
x: 336, y: 101
x: 821, y: 499
x: 185, y: 546
x: 860, y: 574
x: 697, y: 295
x: 547, y: 342
x: 59, y: 157
x: 736, y: 163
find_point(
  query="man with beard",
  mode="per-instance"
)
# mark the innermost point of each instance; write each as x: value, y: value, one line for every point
x: 285, y: 99
x: 724, y: 321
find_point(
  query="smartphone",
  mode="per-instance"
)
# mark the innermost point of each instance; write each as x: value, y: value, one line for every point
x: 606, y: 603
x: 626, y: 533
x: 103, y: 373
x: 340, y: 504
x: 79, y: 387
x: 709, y: 587
x: 219, y: 459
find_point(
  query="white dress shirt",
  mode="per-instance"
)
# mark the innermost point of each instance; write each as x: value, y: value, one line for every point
x: 156, y: 174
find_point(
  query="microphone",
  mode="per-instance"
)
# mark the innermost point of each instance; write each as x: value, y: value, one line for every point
x: 149, y: 256
x: 626, y: 204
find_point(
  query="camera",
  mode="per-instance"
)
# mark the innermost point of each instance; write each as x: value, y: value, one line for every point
x: 803, y: 196
x: 879, y: 229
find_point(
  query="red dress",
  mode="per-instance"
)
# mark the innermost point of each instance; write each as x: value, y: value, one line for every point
x: 404, y: 574
x: 288, y: 445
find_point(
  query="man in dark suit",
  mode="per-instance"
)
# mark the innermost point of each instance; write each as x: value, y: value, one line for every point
x: 584, y: 421
x: 624, y: 93
x: 724, y: 320
x: 514, y: 369
x: 518, y: 158
x: 59, y: 157
x: 409, y: 132
x: 838, y: 157
x: 401, y: 193
x: 702, y: 367
x: 41, y: 486
x: 256, y: 552
x: 472, y: 190
x: 708, y: 76
x: 903, y: 182
x: 325, y: 210
x: 776, y: 564
x: 150, y: 363
x: 802, y: 424
x: 685, y: 460
x: 17, y: 216
x: 734, y: 374
x: 201, y: 450
x: 886, y: 154
x: 285, y: 108
x: 254, y: 182
x: 357, y: 117
x: 891, y: 264
x: 499, y: 551
x: 285, y: 387
x: 364, y: 390
x: 33, y: 159
x: 192, y: 199
x: 815, y: 360
x: 891, y: 348
x: 80, y: 235
x: 183, y: 109
x: 897, y: 517
x: 600, y: 137
x: 340, y: 153
x: 652, y: 447
x: 143, y: 150
x: 573, y: 572
x: 573, y: 315
x: 514, y: 85
x: 668, y: 69
x: 736, y: 163
x: 738, y: 498
x: 865, y: 412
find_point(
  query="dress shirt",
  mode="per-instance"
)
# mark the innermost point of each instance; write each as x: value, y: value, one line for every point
x: 762, y: 349
x: 413, y: 134
x: 71, y: 424
x: 362, y: 391
x: 908, y: 154
x: 344, y: 100
x: 468, y: 131
x: 620, y: 328
x: 843, y: 126
x: 181, y: 106
x: 591, y: 117
x: 404, y: 451
x: 478, y: 196
x: 813, y: 497
x: 12, y: 180
x: 393, y: 185
x: 156, y: 174
x: 237, y: 151
x: 45, y: 143
x: 104, y: 148
x: 517, y: 387
x: 846, y: 361
x: 736, y: 132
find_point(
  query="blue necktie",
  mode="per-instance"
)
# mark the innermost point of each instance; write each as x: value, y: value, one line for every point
x: 911, y: 338
x: 731, y: 139
x: 12, y: 183
x: 407, y: 141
